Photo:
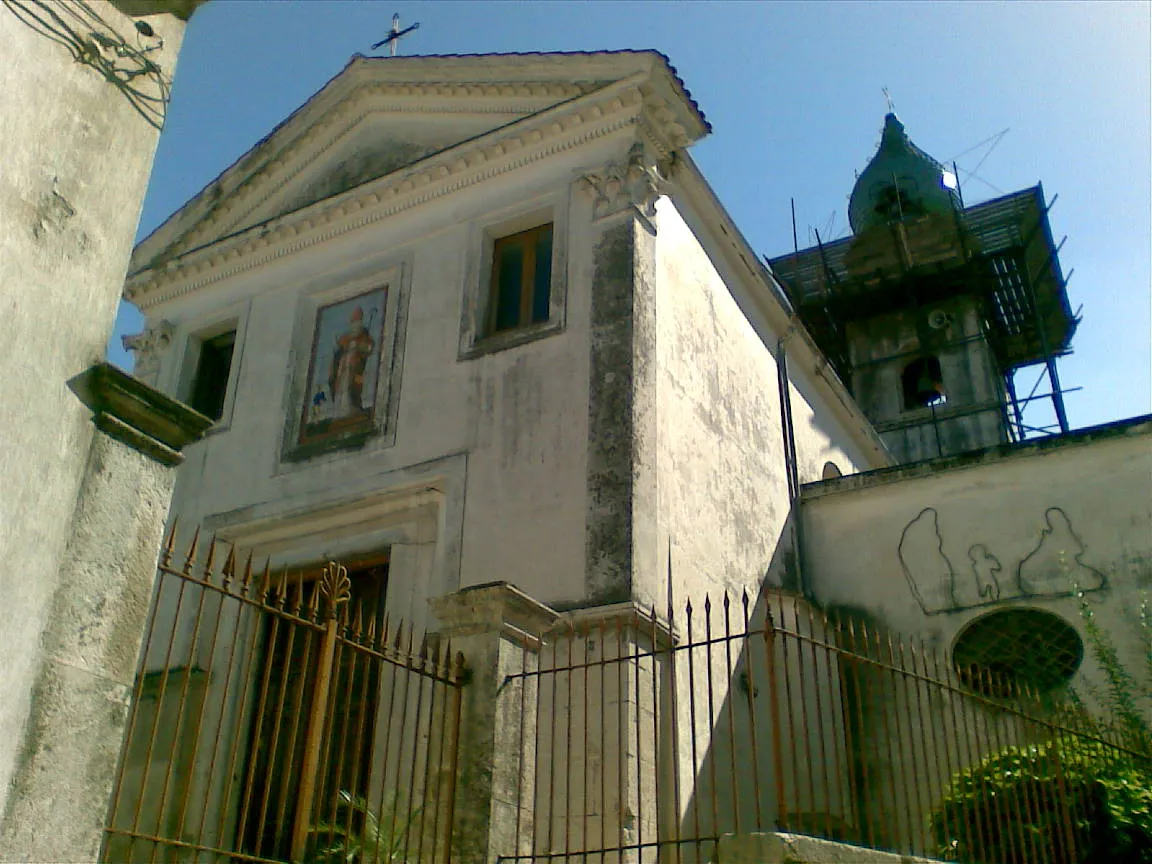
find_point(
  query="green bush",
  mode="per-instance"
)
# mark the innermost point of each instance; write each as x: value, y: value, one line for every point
x: 1070, y: 800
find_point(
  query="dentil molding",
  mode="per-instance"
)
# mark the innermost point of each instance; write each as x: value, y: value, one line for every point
x: 625, y: 104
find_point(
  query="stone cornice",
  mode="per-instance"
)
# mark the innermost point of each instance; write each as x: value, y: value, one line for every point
x: 497, y: 607
x: 537, y: 137
x: 347, y: 115
x: 138, y: 415
x: 418, y: 87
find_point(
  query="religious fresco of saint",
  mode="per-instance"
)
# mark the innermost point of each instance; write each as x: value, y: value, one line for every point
x: 340, y: 398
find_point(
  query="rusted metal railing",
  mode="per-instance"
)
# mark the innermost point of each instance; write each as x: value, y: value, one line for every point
x: 655, y: 735
x: 283, y: 718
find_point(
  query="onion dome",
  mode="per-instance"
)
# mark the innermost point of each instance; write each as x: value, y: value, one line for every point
x: 901, y: 182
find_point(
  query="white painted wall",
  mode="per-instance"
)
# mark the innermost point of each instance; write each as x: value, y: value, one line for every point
x: 723, y: 509
x: 723, y: 490
x: 1056, y: 514
x: 500, y: 439
x: 76, y: 163
x: 1102, y: 482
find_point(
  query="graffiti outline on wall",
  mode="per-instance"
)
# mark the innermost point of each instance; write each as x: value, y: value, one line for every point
x: 1054, y: 567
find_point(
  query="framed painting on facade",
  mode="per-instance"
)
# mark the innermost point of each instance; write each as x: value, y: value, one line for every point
x: 340, y: 393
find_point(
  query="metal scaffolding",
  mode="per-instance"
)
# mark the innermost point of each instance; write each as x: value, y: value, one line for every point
x: 999, y: 251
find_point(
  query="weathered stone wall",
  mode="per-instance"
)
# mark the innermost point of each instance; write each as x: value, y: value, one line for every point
x: 65, y: 770
x: 614, y: 394
x: 76, y: 162
x: 972, y: 415
x: 487, y: 450
x: 720, y: 457
x: 926, y: 549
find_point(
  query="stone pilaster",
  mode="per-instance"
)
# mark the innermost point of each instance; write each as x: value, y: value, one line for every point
x: 621, y: 535
x: 498, y: 629
x: 87, y: 656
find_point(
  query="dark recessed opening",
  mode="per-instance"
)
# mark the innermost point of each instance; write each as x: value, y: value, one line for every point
x: 1017, y: 651
x: 923, y: 383
x: 210, y: 385
x: 521, y: 279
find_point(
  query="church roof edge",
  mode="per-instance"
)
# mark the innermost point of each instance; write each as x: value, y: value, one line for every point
x: 612, y: 52
x: 154, y: 249
x: 1137, y: 427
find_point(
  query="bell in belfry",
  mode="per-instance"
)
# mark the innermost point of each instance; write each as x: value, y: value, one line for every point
x: 927, y: 390
x: 923, y: 383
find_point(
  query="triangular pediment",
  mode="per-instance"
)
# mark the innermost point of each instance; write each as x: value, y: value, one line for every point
x: 379, y: 116
x: 384, y: 133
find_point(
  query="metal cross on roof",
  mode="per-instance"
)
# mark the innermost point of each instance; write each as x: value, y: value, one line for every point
x: 393, y: 38
x: 888, y: 99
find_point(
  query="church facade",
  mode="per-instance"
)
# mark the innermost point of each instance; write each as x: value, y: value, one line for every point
x: 480, y: 319
x: 484, y: 315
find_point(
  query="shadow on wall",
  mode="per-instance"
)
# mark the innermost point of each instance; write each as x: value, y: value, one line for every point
x: 784, y: 568
x: 762, y: 715
x: 830, y: 726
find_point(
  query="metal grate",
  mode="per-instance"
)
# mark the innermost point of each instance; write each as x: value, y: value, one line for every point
x: 1011, y: 648
x: 650, y: 738
x: 283, y: 719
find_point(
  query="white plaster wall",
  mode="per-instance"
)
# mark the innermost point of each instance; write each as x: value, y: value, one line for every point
x: 853, y: 529
x: 969, y: 515
x: 723, y: 491
x: 501, y: 438
x: 76, y: 162
x: 723, y: 504
x: 483, y: 477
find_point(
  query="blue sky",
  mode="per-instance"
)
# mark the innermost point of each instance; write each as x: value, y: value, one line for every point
x: 793, y: 91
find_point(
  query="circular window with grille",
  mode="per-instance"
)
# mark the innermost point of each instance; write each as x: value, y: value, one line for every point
x: 1012, y: 650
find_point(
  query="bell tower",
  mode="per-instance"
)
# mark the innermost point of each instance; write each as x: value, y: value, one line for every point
x: 930, y: 307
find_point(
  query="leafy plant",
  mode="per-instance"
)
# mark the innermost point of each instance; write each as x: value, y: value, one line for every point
x: 1068, y: 800
x: 1074, y: 798
x: 364, y: 834
x: 1123, y: 691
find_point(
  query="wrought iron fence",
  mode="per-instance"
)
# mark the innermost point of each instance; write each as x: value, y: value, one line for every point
x: 649, y: 737
x: 281, y: 718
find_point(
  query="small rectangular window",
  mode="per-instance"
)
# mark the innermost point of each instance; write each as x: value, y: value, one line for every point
x: 521, y: 279
x: 210, y: 385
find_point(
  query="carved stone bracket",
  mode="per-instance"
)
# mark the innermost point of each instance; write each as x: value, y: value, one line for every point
x: 631, y: 184
x: 149, y: 347
x: 135, y: 414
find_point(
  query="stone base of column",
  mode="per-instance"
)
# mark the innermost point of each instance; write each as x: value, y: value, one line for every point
x: 498, y: 629
x: 59, y: 798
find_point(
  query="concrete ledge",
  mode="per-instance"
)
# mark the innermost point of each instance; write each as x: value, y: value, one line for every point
x: 801, y: 849
x: 1132, y: 427
x: 138, y: 415
x: 493, y: 607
